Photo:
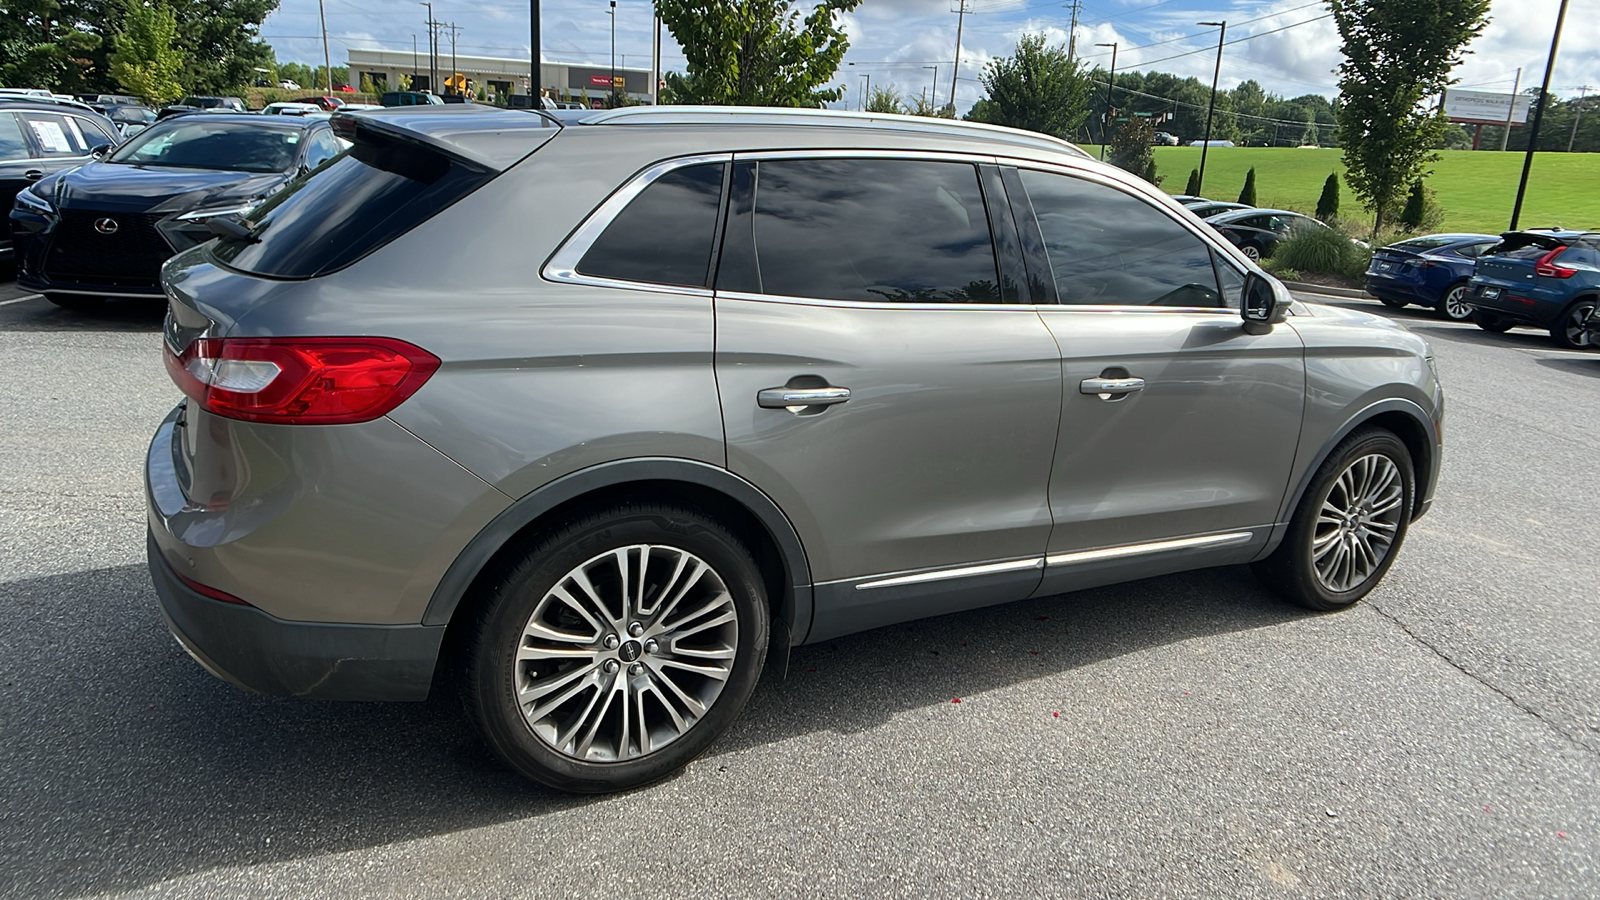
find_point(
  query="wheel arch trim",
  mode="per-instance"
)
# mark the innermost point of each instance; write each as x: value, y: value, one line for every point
x: 477, y: 554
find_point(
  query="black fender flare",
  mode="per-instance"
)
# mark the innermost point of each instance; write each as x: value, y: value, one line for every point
x: 796, y: 609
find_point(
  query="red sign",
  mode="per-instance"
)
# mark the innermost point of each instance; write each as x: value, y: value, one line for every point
x: 600, y: 81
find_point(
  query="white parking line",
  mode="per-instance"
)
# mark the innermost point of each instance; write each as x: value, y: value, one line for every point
x: 20, y: 299
x: 1567, y: 354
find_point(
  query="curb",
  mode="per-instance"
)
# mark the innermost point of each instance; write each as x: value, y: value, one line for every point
x: 1326, y: 289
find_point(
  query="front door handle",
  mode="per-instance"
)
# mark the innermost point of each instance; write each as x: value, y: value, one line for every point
x: 33, y: 174
x: 793, y: 398
x: 1110, y: 386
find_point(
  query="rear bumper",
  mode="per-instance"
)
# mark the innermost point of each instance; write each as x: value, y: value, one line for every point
x: 254, y: 650
x: 1514, y: 307
x: 1380, y: 285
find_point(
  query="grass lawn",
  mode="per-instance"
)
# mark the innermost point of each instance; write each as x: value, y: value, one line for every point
x: 1476, y: 189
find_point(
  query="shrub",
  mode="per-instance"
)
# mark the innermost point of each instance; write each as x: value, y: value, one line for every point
x: 1323, y: 251
x: 1328, y: 203
x: 1130, y: 146
x: 1194, y: 183
x: 1416, y: 203
x: 1248, y: 195
x: 1150, y: 173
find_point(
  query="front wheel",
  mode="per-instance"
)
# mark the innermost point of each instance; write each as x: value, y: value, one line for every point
x: 1490, y: 322
x: 620, y: 647
x: 1570, y: 330
x: 1453, y: 305
x: 1349, y: 525
x: 1252, y: 252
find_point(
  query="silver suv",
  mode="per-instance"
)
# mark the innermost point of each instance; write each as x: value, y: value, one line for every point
x: 594, y: 417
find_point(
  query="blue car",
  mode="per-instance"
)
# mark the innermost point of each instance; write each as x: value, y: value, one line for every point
x: 1434, y: 270
x: 1547, y: 279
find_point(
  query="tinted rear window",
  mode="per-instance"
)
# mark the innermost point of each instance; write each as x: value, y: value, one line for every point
x: 665, y: 235
x: 352, y: 205
x: 1520, y: 247
x: 1422, y: 244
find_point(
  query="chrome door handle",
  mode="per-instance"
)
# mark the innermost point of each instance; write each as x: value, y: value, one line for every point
x: 33, y: 174
x: 1110, y: 385
x: 787, y: 397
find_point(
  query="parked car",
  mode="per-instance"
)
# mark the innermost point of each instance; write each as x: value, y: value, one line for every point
x: 1208, y: 208
x: 410, y: 98
x: 1544, y: 278
x: 324, y: 103
x: 1190, y: 199
x: 344, y: 89
x: 366, y: 484
x: 105, y: 228
x: 192, y: 104
x: 1163, y: 139
x: 1213, y: 143
x: 102, y: 102
x: 28, y: 93
x: 291, y: 109
x: 1434, y: 270
x: 39, y: 139
x: 288, y: 85
x: 1256, y: 232
x: 130, y: 120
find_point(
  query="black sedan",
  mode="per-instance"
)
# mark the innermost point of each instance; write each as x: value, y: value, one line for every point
x: 104, y: 229
x: 1258, y: 231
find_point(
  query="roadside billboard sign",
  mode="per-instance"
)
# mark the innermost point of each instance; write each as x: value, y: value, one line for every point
x: 1485, y: 108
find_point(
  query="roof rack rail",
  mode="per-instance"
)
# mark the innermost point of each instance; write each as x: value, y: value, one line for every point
x: 765, y: 115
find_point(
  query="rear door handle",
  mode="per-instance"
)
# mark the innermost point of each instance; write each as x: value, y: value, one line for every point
x: 787, y: 397
x: 1110, y: 385
x: 33, y: 174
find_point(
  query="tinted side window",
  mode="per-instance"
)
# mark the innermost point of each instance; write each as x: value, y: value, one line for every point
x: 13, y: 145
x: 869, y: 230
x: 665, y: 235
x: 1111, y: 248
x: 321, y: 148
x: 93, y: 131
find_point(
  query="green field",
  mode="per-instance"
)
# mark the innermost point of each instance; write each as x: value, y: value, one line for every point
x: 1475, y: 189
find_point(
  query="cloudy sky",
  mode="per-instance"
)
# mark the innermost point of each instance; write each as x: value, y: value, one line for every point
x: 1289, y: 46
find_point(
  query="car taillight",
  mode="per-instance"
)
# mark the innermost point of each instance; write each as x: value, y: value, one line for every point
x: 303, y: 380
x: 1547, y: 267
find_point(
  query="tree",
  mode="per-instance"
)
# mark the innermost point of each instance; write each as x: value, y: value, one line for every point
x: 758, y: 52
x: 1309, y: 137
x: 1416, y: 207
x: 885, y: 100
x: 1130, y: 145
x: 368, y: 86
x: 143, y: 58
x: 1248, y: 195
x: 1250, y: 103
x: 1397, y: 53
x: 922, y: 106
x: 1328, y: 203
x: 1193, y: 188
x: 1037, y: 88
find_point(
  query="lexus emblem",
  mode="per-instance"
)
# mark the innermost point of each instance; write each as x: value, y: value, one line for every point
x: 105, y: 226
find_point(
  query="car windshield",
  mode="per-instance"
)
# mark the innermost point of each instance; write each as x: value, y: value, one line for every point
x: 198, y: 144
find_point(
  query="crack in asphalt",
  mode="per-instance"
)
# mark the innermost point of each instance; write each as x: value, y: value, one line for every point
x: 1570, y: 738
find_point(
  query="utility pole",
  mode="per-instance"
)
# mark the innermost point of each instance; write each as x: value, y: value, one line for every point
x: 933, y: 92
x: 1072, y: 34
x: 1505, y: 135
x: 1215, y: 74
x: 1105, y: 124
x: 533, y: 54
x: 655, y: 64
x: 327, y: 63
x: 1577, y: 115
x: 1538, y: 115
x: 454, y: 30
x: 433, y: 50
x: 961, y: 20
x: 414, y: 72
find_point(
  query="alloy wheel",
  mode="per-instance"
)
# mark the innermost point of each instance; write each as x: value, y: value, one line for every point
x: 1251, y: 252
x: 1358, y: 522
x: 1454, y: 306
x: 1577, y: 334
x: 626, y: 653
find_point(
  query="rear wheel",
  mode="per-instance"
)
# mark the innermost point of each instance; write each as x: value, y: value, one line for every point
x: 620, y: 647
x: 1252, y: 251
x: 1488, y: 321
x: 79, y: 302
x: 1453, y: 305
x: 1349, y: 525
x: 1569, y: 330
x: 1392, y: 303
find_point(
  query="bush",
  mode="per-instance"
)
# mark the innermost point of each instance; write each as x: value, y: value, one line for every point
x: 1328, y: 203
x: 1416, y: 202
x: 1323, y: 251
x: 1194, y: 183
x: 1248, y: 195
x: 1150, y: 173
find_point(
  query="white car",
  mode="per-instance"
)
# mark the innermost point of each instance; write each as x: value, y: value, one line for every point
x: 288, y: 85
x: 291, y: 109
x: 1212, y: 143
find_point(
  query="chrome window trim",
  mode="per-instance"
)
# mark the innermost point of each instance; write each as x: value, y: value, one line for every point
x: 955, y: 156
x: 1031, y: 309
x: 1125, y: 550
x: 563, y: 264
x: 1018, y: 565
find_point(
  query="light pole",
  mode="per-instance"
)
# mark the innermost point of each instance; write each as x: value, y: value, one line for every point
x: 533, y: 54
x: 1538, y: 115
x: 862, y: 103
x: 327, y: 62
x: 1215, y: 74
x: 433, y: 59
x: 1105, y: 124
x: 933, y: 91
x: 613, y: 13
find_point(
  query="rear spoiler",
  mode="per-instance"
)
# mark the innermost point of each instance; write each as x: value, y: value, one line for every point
x: 491, y: 141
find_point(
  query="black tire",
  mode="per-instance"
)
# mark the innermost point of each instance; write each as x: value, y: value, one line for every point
x: 493, y: 669
x: 1569, y: 331
x: 1291, y: 570
x: 1490, y: 322
x: 1392, y: 303
x: 1452, y: 299
x: 78, y: 302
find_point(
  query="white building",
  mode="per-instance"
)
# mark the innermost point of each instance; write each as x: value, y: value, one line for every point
x: 496, y: 75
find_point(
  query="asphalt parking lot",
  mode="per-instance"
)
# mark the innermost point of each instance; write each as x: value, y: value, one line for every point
x: 1186, y: 736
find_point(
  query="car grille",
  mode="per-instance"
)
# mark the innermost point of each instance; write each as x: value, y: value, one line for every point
x: 131, y: 257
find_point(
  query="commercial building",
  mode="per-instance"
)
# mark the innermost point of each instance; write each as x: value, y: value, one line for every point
x: 497, y: 75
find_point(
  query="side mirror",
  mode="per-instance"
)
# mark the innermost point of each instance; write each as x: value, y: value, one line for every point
x: 99, y: 151
x: 1259, y: 304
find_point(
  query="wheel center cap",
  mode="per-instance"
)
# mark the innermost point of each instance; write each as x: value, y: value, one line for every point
x: 630, y: 651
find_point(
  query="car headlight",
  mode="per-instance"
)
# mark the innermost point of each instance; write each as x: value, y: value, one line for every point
x: 28, y: 201
x: 212, y: 212
x: 186, y: 230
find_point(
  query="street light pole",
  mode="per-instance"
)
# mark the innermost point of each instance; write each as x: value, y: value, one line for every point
x: 933, y: 92
x: 433, y: 59
x: 1538, y: 115
x: 1577, y: 116
x: 1215, y: 74
x: 613, y: 13
x: 533, y: 53
x: 1105, y: 123
x: 327, y: 62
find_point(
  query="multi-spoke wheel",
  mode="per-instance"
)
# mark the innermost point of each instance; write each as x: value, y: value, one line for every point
x: 1453, y: 305
x: 1251, y: 251
x: 1349, y: 525
x: 619, y: 649
x: 1571, y: 330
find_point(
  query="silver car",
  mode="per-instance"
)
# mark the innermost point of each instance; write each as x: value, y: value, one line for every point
x: 594, y: 417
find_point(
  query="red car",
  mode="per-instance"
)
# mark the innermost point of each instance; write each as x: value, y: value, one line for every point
x: 345, y: 89
x: 328, y: 103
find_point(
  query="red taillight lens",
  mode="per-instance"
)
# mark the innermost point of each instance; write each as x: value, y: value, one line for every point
x: 1547, y: 267
x: 301, y: 381
x: 206, y: 591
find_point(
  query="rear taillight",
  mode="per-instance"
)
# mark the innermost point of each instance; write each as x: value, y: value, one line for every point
x: 207, y: 591
x: 1547, y: 267
x: 300, y: 381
